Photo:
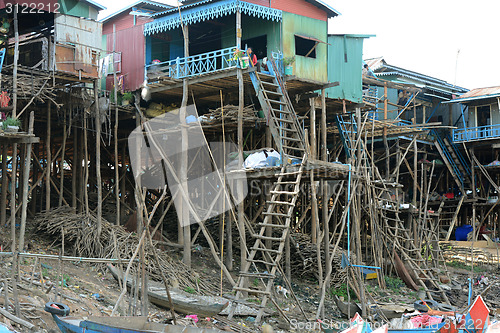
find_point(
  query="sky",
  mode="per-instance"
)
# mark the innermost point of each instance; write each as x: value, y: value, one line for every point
x: 453, y: 40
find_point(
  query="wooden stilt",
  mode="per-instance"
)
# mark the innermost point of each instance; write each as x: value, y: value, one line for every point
x: 48, y: 163
x: 63, y: 151
x: 117, y: 181
x: 186, y: 227
x: 98, y: 127
x: 85, y: 165
x: 75, y: 169
x: 314, y: 210
x: 26, y: 177
x: 239, y: 183
x: 5, y: 185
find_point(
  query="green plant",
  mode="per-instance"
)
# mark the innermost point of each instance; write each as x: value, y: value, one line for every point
x: 393, y: 283
x: 342, y: 292
x: 128, y: 96
x: 112, y: 97
x: 254, y: 300
x: 255, y: 282
x: 11, y: 122
x: 237, y: 54
x: 462, y: 265
x: 189, y: 290
x: 288, y: 61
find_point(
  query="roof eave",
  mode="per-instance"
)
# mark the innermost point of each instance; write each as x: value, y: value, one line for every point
x: 327, y: 8
x: 95, y: 4
x: 474, y: 98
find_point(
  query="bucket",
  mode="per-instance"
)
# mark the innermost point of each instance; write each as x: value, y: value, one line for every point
x: 244, y: 61
x: 288, y: 70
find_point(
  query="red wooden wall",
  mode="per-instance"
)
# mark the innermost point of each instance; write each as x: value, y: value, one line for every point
x: 299, y: 7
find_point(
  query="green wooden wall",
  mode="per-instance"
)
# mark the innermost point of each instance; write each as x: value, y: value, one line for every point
x: 345, y: 64
x: 305, y: 67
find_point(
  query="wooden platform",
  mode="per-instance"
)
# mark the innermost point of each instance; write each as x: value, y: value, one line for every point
x: 208, y: 86
x: 19, y: 137
x: 377, y: 129
x: 321, y: 170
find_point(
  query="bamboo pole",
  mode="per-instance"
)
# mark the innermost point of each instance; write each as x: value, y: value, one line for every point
x: 48, y: 162
x: 74, y: 169
x: 26, y: 177
x: 84, y: 188
x: 239, y: 183
x: 314, y: 210
x: 117, y: 178
x: 98, y: 127
x: 61, y: 183
x: 14, y: 171
x: 186, y: 227
x: 5, y: 185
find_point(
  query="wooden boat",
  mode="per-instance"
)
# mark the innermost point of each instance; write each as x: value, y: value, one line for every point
x: 183, y: 302
x: 117, y: 324
x: 346, y: 308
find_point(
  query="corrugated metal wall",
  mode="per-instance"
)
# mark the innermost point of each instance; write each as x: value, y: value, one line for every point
x: 345, y: 62
x: 78, y: 44
x: 131, y: 43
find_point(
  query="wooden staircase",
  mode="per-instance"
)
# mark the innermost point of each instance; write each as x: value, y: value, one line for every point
x: 454, y: 162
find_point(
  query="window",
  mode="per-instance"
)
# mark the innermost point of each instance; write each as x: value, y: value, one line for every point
x: 305, y: 47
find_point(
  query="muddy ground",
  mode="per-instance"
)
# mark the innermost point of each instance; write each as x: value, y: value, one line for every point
x: 89, y: 290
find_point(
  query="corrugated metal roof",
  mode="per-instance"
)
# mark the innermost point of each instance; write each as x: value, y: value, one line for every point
x: 381, y: 68
x: 327, y: 8
x: 94, y: 4
x: 478, y: 93
x: 189, y: 5
x: 318, y: 3
x: 144, y: 3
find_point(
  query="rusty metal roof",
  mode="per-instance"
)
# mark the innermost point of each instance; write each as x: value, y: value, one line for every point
x: 478, y: 93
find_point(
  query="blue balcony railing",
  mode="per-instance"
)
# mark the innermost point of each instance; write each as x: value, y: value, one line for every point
x: 476, y: 133
x: 198, y: 64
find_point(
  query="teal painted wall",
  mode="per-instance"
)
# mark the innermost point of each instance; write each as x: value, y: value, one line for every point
x: 77, y: 8
x: 347, y: 73
x: 103, y: 54
x: 305, y: 67
x: 251, y: 27
x: 254, y: 27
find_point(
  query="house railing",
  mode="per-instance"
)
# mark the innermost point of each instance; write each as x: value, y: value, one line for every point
x: 476, y: 133
x: 194, y: 65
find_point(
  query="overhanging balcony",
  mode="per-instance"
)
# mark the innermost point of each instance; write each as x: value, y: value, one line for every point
x: 199, y: 64
x: 488, y: 132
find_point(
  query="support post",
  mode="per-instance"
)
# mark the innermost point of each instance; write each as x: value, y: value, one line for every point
x: 48, y: 162
x: 26, y: 177
x: 314, y: 210
x: 117, y: 175
x: 3, y: 200
x: 239, y: 184
x: 186, y: 227
x: 98, y: 159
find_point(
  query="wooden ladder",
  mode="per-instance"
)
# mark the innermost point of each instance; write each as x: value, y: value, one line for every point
x: 262, y: 263
x: 399, y: 236
x: 280, y: 114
